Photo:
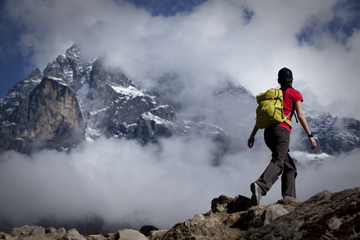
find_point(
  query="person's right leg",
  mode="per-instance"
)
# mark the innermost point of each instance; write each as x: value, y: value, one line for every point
x: 288, y: 179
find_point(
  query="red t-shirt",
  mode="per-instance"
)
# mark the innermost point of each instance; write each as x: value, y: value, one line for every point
x: 290, y: 96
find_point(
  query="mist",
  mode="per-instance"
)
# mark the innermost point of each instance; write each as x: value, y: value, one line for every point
x: 127, y: 184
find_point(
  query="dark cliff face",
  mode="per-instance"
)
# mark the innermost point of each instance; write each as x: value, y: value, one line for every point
x: 49, y: 117
x: 20, y: 91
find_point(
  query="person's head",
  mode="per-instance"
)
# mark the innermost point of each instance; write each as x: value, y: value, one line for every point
x: 285, y: 77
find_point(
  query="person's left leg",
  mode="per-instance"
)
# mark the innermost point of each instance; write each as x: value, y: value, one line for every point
x: 277, y: 139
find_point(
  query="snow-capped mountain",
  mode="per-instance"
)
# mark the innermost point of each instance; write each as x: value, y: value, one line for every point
x: 74, y: 100
x: 333, y: 134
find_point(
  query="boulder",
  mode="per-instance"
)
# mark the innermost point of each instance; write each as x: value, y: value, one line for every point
x: 129, y: 234
x: 73, y: 234
x: 147, y: 229
x: 96, y: 237
x: 157, y: 234
x: 26, y: 232
x: 227, y: 204
x: 272, y: 212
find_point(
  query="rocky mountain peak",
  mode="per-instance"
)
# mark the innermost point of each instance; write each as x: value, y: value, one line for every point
x: 113, y: 77
x: 74, y: 54
x: 80, y: 97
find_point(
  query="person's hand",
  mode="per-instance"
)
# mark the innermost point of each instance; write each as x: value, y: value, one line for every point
x: 251, y: 142
x: 252, y: 137
x: 313, y: 143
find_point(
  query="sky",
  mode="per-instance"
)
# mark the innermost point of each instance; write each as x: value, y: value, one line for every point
x: 246, y: 40
x: 203, y: 43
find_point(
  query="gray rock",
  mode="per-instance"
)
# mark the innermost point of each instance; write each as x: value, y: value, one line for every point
x: 73, y: 234
x: 227, y: 204
x: 129, y: 234
x: 157, y: 234
x: 272, y: 212
x: 26, y: 232
x: 220, y: 204
x: 22, y: 231
x: 37, y: 231
x: 6, y: 236
x: 95, y: 237
x: 147, y: 229
x: 59, y: 233
x: 50, y: 230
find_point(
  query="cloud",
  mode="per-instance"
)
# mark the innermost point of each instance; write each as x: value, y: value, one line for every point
x: 336, y: 174
x: 126, y: 184
x: 250, y: 41
x: 117, y: 180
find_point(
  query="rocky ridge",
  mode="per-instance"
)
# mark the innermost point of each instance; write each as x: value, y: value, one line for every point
x: 74, y: 100
x: 326, y: 215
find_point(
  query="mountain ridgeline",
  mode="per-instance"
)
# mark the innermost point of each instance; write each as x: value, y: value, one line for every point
x: 74, y: 100
x: 325, y: 215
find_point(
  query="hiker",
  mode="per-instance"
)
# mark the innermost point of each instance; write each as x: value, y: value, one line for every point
x: 277, y: 138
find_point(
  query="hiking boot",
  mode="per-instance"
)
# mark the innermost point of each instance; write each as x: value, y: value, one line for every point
x: 257, y: 192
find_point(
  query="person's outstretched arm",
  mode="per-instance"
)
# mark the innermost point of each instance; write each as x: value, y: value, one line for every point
x: 304, y: 123
x: 252, y: 137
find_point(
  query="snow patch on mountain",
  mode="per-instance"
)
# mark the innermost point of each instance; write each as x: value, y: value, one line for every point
x: 129, y: 93
x: 59, y: 80
x: 83, y: 103
x: 150, y: 117
x: 306, y: 158
x: 91, y: 134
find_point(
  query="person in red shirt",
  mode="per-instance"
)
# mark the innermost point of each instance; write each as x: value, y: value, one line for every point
x: 277, y: 139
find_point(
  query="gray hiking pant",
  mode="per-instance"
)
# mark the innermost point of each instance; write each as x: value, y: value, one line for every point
x: 277, y: 139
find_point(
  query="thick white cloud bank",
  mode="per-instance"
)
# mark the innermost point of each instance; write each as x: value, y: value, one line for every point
x: 124, y: 183
x: 247, y: 40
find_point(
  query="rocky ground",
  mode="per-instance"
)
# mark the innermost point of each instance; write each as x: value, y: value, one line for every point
x: 324, y: 216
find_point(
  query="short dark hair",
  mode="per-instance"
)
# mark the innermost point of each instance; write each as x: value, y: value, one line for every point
x: 285, y: 77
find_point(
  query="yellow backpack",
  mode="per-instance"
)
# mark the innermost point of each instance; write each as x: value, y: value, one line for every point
x: 270, y: 110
